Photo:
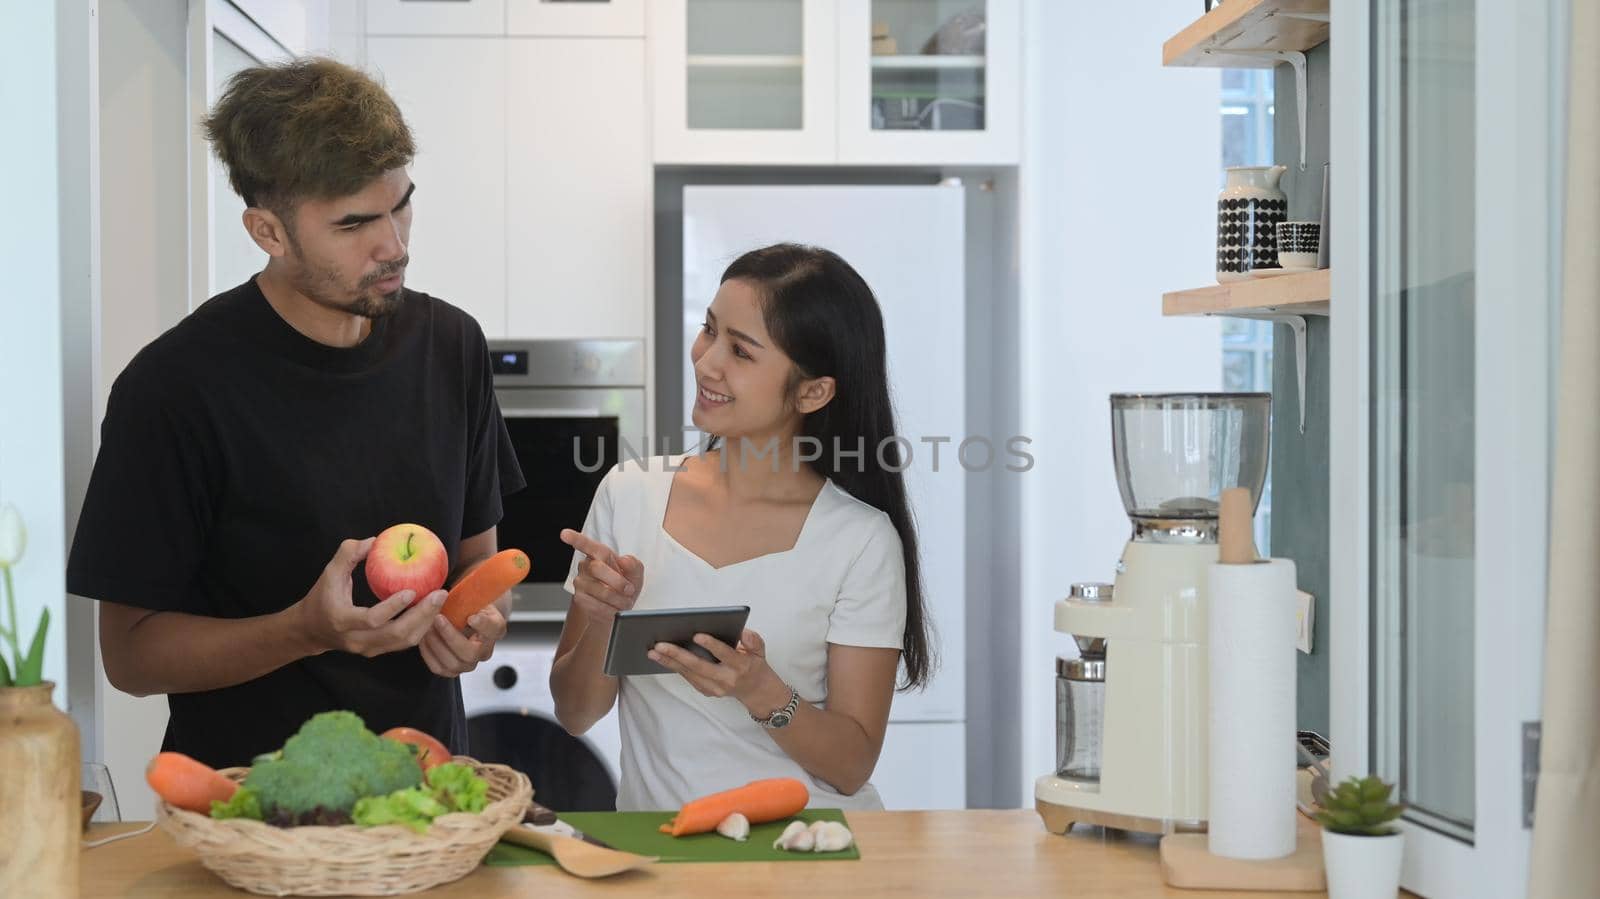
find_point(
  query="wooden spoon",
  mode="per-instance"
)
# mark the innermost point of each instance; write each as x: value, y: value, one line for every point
x: 575, y: 856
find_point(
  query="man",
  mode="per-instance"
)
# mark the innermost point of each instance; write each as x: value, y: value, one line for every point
x: 249, y: 454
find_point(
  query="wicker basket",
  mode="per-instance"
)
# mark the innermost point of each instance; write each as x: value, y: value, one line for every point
x: 350, y: 860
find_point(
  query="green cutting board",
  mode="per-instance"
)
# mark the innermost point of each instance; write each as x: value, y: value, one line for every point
x: 638, y: 832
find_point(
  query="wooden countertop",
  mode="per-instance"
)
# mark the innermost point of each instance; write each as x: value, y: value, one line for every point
x: 956, y: 853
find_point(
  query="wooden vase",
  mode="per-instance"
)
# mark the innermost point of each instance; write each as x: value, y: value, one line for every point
x: 39, y: 802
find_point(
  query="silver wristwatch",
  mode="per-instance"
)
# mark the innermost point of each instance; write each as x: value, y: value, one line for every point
x: 783, y: 716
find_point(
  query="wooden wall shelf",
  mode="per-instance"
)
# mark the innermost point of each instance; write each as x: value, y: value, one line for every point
x: 1285, y: 299
x: 1306, y: 293
x: 1235, y: 34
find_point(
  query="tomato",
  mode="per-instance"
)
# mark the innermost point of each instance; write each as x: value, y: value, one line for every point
x: 430, y: 752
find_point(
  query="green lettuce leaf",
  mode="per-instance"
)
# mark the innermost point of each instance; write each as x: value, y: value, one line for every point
x: 451, y: 788
x: 458, y: 787
x: 414, y: 808
x: 243, y: 804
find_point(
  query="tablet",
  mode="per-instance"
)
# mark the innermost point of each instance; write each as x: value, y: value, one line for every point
x: 635, y: 631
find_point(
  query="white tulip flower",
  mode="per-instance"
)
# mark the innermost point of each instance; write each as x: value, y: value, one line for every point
x: 13, y: 536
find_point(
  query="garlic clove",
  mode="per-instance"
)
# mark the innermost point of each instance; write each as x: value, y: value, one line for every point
x: 831, y: 836
x: 795, y: 838
x: 784, y: 839
x: 735, y: 827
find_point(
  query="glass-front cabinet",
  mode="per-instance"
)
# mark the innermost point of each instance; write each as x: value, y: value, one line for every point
x: 744, y: 81
x: 929, y: 81
x: 773, y: 82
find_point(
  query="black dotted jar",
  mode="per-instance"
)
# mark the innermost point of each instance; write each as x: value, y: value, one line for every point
x: 1248, y: 212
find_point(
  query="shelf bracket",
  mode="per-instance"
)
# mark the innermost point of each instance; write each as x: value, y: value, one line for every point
x: 1294, y: 58
x: 1298, y: 324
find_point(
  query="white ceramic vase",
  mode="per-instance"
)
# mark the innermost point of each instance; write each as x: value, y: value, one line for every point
x: 1248, y: 212
x: 1360, y: 867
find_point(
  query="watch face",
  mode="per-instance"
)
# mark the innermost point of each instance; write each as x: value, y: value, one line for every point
x: 779, y: 719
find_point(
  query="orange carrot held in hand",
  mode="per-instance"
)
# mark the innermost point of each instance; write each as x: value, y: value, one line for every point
x: 484, y: 584
x: 760, y: 801
x: 186, y: 783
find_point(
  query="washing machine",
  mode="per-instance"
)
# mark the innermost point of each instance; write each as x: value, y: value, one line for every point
x: 511, y: 719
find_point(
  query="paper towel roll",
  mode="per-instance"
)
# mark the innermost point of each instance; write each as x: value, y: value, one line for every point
x: 1252, y: 720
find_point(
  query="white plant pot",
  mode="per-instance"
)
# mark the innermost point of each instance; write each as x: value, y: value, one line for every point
x: 1361, y: 867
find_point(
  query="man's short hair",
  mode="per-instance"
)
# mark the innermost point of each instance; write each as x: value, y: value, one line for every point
x: 310, y: 128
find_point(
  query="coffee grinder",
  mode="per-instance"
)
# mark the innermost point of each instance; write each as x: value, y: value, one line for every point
x: 1131, y: 730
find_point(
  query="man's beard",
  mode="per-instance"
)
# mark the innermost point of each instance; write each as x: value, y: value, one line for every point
x: 321, y: 286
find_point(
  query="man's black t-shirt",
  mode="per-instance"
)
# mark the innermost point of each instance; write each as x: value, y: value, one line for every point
x: 236, y: 454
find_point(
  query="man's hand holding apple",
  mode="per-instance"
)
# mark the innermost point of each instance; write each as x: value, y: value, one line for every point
x: 409, y: 556
x: 332, y: 621
x: 406, y: 565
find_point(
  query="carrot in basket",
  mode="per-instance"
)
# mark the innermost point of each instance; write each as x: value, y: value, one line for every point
x: 186, y: 783
x: 760, y: 801
x: 484, y: 584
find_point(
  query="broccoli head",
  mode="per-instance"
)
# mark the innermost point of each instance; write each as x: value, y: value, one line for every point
x: 322, y: 770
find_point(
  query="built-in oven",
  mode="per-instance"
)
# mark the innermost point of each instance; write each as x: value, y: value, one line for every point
x: 573, y: 408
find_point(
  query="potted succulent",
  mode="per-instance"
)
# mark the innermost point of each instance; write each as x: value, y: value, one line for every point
x: 1361, y: 847
x: 39, y: 764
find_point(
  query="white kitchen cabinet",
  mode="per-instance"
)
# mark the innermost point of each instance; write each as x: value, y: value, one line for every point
x: 436, y: 18
x: 744, y: 81
x: 533, y: 205
x: 575, y: 18
x: 923, y: 766
x: 458, y: 247
x: 854, y: 82
x: 948, y: 93
x: 579, y: 187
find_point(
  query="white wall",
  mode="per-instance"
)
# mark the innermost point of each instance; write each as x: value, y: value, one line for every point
x: 30, y: 325
x: 1120, y: 172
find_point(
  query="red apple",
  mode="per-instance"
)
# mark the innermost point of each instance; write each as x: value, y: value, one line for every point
x: 430, y: 752
x: 407, y: 557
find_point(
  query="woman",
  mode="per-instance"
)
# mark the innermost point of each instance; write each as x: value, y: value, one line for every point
x: 798, y: 511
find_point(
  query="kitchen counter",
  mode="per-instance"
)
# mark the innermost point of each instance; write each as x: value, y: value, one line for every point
x: 955, y: 853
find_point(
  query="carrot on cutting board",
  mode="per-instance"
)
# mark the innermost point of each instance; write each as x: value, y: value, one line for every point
x: 484, y: 584
x: 187, y: 783
x: 760, y: 801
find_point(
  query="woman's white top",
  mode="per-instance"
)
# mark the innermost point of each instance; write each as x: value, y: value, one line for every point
x: 843, y: 582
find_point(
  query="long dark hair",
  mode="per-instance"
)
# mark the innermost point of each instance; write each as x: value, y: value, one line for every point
x: 824, y: 317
